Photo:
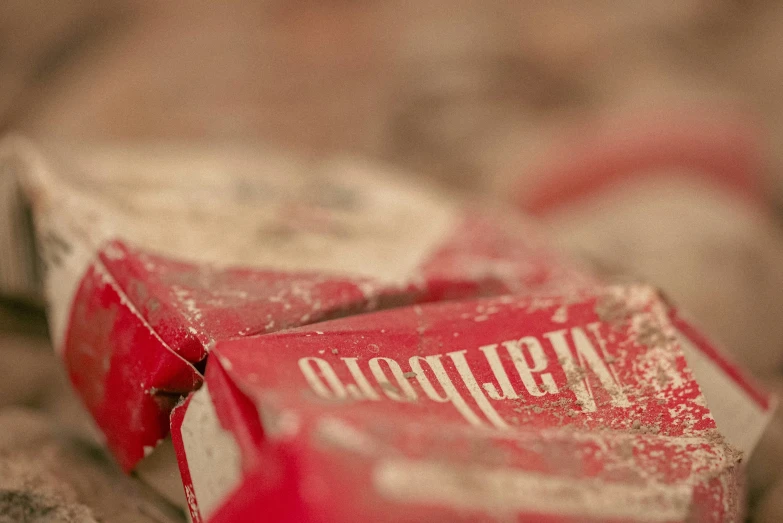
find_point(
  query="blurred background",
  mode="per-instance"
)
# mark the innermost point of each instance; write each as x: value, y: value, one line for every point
x: 505, y: 100
x: 455, y: 88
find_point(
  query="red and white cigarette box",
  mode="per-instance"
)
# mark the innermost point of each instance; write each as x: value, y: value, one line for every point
x: 601, y: 408
x: 255, y: 277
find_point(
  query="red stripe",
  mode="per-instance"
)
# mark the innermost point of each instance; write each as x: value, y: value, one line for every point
x: 724, y: 150
x: 745, y: 382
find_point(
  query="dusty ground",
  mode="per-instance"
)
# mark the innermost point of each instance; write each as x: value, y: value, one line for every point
x: 52, y: 467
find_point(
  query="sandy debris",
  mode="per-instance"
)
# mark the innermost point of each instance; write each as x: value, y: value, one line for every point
x: 49, y: 475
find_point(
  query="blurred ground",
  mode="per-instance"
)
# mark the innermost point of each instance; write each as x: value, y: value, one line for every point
x: 52, y: 467
x: 468, y: 92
